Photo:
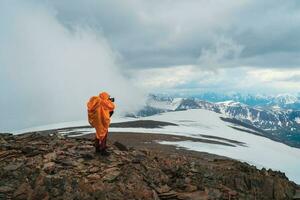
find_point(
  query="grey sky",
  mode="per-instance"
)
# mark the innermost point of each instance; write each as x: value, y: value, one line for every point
x: 173, y: 32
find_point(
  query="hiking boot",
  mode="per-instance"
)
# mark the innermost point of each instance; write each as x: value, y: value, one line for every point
x: 97, y: 146
x: 97, y: 150
x: 104, y: 153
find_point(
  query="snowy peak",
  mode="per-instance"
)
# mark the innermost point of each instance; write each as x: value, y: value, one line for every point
x: 231, y: 103
x: 271, y: 120
x: 285, y: 99
x: 186, y: 104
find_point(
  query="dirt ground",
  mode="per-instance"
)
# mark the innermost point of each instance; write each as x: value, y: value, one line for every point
x: 150, y: 141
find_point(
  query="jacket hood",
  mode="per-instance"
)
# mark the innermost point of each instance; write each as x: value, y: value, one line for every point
x: 104, y: 95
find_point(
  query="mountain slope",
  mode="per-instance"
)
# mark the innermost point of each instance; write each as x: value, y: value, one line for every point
x: 275, y: 123
x: 283, y: 101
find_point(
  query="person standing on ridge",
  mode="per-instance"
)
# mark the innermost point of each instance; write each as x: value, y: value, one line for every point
x: 100, y: 109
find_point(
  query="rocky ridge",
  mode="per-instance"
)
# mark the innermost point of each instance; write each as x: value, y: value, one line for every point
x: 35, y: 166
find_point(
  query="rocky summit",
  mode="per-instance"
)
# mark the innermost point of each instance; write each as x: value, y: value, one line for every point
x: 35, y: 166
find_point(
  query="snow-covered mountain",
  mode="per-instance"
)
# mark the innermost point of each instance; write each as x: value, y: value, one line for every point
x: 272, y: 121
x: 283, y: 101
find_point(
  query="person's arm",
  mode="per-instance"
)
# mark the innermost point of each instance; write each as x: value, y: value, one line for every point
x: 111, y: 106
x: 108, y: 105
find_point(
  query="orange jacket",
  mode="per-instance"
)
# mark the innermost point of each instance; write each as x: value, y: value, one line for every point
x: 99, y: 108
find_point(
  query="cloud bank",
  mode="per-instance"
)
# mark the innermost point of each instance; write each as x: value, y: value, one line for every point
x: 174, y: 32
x: 227, y: 37
x: 48, y: 72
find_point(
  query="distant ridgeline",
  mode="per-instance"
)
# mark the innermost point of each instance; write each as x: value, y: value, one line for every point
x: 274, y: 117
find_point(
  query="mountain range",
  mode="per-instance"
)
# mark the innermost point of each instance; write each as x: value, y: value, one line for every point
x: 274, y: 117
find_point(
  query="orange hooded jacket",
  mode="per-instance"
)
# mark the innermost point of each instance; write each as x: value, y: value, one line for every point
x: 99, y: 108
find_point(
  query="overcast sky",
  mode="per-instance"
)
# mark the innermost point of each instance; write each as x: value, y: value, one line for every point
x: 218, y: 39
x: 55, y: 54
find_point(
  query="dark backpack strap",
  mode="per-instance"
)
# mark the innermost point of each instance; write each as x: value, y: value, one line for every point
x: 111, y: 113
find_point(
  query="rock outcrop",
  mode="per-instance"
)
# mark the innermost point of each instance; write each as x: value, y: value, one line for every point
x: 33, y: 166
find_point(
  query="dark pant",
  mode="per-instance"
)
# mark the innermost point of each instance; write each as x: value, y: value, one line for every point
x: 100, y: 145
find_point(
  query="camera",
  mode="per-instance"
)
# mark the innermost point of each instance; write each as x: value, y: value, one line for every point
x: 112, y: 99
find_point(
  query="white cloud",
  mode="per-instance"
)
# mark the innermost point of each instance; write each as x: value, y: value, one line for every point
x: 278, y: 79
x: 223, y: 54
x: 49, y: 72
x: 270, y: 75
x: 192, y: 79
x: 163, y: 77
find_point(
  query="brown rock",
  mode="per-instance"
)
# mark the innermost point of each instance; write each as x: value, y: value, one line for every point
x: 98, y: 186
x: 85, y: 187
x: 24, y: 191
x: 94, y: 169
x: 50, y: 156
x: 111, y: 174
x: 117, y: 152
x: 49, y: 167
x: 55, y: 192
x: 12, y: 167
x: 40, y: 193
x: 187, y: 180
x: 168, y: 195
x: 31, y: 150
x: 280, y: 190
x: 87, y: 155
x: 155, y: 195
x: 85, y: 147
x: 268, y: 188
x: 40, y: 180
x: 163, y: 189
x: 217, y: 194
x: 5, y: 189
x: 197, y: 195
x: 94, y: 176
x: 191, y: 188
